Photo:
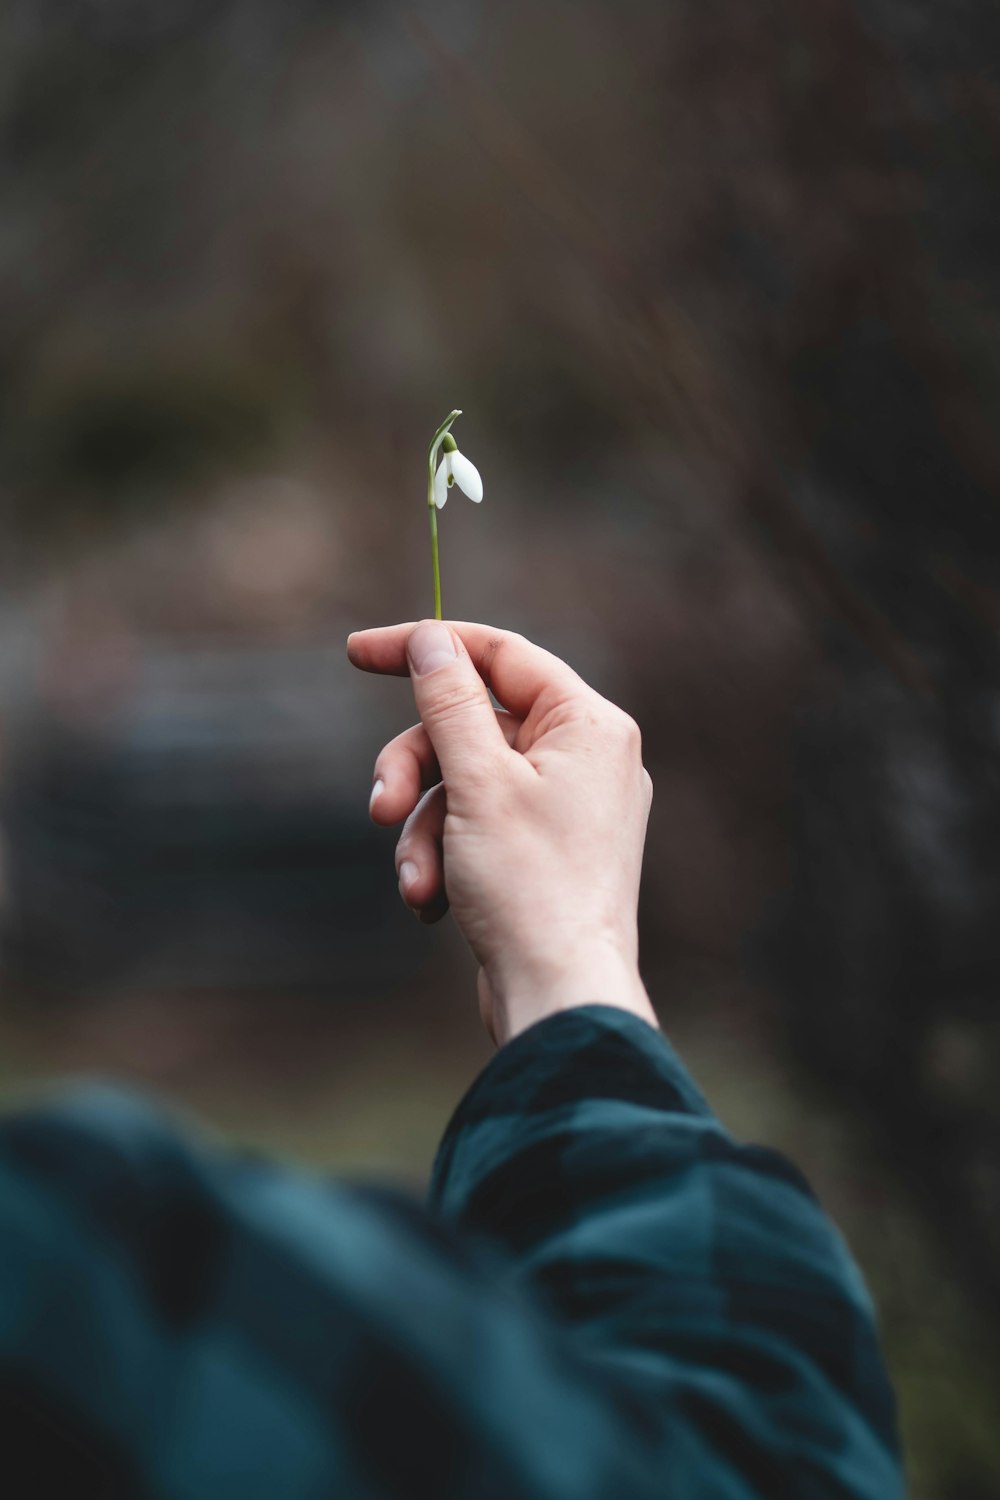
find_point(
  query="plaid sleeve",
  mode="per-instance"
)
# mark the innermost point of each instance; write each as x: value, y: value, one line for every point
x: 700, y: 1275
x: 641, y: 1311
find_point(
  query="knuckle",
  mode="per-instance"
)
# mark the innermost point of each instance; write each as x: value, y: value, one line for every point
x: 633, y: 735
x: 626, y: 730
x: 453, y: 701
x: 489, y: 654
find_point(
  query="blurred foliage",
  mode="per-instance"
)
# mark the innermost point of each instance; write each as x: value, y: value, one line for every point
x: 718, y: 287
x: 118, y: 433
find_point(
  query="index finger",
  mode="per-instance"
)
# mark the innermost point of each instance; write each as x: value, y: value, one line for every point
x: 516, y: 671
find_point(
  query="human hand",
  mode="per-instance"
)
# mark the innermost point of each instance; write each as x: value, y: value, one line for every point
x: 529, y: 822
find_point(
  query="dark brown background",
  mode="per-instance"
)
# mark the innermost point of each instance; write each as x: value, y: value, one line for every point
x: 716, y: 285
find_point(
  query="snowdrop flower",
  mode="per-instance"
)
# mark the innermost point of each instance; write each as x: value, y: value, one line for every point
x: 455, y: 468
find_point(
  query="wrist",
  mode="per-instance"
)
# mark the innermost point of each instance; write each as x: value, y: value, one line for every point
x: 596, y: 976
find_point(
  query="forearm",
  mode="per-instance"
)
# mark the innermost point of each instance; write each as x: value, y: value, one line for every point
x: 699, y: 1272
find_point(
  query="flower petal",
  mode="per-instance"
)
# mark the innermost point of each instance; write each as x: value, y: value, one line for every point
x: 441, y: 481
x: 466, y: 476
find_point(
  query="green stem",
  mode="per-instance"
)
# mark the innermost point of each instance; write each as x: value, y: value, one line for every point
x: 439, y: 436
x: 434, y: 548
x: 432, y: 454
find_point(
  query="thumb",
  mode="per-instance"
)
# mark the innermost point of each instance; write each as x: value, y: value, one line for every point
x: 453, y: 703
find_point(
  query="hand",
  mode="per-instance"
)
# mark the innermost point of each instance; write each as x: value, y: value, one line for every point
x: 529, y: 822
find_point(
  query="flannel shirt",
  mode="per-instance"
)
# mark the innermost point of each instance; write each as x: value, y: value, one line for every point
x: 607, y: 1298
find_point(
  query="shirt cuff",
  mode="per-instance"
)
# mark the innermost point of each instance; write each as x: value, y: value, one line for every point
x: 591, y: 1053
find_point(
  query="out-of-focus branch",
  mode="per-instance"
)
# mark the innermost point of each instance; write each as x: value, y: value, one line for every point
x: 662, y: 355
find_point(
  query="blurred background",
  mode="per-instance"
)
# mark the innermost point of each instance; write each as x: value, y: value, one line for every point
x: 718, y: 288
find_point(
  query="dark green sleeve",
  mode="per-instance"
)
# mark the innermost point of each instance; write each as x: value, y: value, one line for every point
x: 699, y: 1273
x: 609, y: 1301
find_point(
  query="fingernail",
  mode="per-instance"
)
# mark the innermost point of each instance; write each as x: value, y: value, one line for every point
x: 408, y: 876
x: 431, y: 645
x: 377, y: 791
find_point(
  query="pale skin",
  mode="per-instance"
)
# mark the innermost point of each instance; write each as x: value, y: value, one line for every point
x: 528, y: 823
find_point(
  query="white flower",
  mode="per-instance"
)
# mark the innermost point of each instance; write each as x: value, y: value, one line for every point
x: 455, y: 468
